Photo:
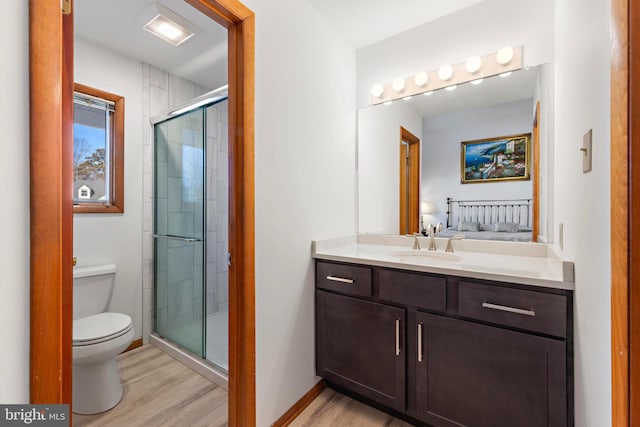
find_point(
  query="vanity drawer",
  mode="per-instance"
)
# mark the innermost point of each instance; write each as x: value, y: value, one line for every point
x: 348, y: 279
x: 534, y: 311
x: 419, y: 290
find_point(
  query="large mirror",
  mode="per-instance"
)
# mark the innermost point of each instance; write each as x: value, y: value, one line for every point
x: 403, y: 186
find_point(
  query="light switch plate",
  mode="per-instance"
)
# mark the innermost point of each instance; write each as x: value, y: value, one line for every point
x: 587, y: 152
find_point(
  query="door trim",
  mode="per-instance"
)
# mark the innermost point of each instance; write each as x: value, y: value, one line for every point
x: 535, y: 221
x: 51, y: 218
x: 625, y: 249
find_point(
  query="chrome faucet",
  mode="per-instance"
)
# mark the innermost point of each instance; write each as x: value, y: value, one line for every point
x: 432, y: 240
x: 449, y: 245
x: 416, y: 244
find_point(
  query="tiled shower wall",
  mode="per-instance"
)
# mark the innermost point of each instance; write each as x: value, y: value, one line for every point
x: 217, y: 208
x: 160, y: 92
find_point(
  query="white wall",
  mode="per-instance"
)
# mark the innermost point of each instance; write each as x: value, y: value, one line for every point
x: 305, y: 175
x: 14, y: 227
x: 378, y: 164
x: 441, y: 137
x: 478, y: 30
x: 116, y: 238
x: 582, y: 200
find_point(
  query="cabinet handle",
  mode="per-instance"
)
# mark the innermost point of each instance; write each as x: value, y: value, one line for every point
x: 509, y: 309
x: 398, y: 349
x: 340, y: 279
x: 419, y: 342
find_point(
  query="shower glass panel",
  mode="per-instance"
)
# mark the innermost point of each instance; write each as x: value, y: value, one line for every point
x: 179, y: 230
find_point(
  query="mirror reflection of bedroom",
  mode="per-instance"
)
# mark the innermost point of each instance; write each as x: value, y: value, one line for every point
x: 482, y: 169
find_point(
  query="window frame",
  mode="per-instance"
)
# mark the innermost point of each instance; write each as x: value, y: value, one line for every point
x: 115, y: 204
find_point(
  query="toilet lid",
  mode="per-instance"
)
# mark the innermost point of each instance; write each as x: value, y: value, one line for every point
x: 100, y: 327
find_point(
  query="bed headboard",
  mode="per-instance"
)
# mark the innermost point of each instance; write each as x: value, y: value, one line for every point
x: 489, y: 211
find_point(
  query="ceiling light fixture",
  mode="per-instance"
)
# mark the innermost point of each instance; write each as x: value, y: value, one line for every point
x: 170, y: 26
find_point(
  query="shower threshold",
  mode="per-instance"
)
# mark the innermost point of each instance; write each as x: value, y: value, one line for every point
x: 202, y: 366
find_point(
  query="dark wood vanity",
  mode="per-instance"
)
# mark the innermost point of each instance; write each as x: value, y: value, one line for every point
x: 446, y: 350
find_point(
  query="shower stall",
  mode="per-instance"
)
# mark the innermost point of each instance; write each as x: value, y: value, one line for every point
x: 190, y: 231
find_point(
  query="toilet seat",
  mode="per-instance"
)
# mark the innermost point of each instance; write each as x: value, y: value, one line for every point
x: 99, y: 328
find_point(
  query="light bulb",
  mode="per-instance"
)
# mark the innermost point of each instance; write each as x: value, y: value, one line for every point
x: 398, y: 85
x: 428, y: 93
x: 421, y: 78
x: 406, y: 98
x: 445, y: 72
x: 450, y: 88
x: 477, y: 81
x: 377, y: 90
x: 504, y: 55
x: 473, y: 64
x: 507, y: 74
x: 387, y: 103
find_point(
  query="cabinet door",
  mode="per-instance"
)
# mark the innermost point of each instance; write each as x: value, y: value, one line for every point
x: 360, y: 346
x: 477, y: 375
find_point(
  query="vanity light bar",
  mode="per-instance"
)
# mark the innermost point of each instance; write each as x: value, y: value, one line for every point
x: 475, y: 68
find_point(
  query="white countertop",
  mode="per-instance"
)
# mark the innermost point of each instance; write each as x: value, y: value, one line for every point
x: 533, y: 264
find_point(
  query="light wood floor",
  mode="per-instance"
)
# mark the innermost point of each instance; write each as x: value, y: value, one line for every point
x: 160, y: 391
x: 333, y: 409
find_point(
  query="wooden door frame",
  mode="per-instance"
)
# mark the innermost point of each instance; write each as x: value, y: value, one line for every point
x: 51, y: 217
x: 535, y: 221
x: 413, y: 184
x: 625, y: 213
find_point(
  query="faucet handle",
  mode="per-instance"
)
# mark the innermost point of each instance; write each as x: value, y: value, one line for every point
x: 449, y: 245
x: 416, y: 243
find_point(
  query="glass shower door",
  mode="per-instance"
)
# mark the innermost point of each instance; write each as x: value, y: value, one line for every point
x: 179, y: 179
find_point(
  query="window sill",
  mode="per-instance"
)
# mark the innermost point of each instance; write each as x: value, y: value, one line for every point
x: 97, y: 208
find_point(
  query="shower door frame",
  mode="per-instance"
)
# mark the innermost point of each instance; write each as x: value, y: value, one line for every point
x: 51, y: 217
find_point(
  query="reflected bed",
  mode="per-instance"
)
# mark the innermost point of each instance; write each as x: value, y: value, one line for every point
x: 507, y: 220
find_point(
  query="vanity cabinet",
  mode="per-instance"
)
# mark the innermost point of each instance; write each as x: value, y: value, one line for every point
x: 445, y: 350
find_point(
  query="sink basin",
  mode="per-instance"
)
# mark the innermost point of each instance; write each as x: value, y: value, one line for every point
x: 422, y: 254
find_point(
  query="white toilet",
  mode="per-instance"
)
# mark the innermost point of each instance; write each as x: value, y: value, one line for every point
x: 98, y: 337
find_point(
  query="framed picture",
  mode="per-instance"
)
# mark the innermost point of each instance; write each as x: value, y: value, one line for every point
x: 504, y: 158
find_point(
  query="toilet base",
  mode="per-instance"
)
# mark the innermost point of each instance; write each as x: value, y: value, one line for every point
x: 96, y: 387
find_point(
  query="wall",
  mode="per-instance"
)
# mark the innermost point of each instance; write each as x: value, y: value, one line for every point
x: 115, y: 238
x: 478, y: 30
x: 14, y: 227
x: 304, y: 177
x: 582, y: 201
x: 379, y: 164
x: 217, y: 208
x: 441, y: 137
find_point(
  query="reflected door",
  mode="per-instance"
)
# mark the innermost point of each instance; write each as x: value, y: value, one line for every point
x: 179, y: 178
x: 409, y: 182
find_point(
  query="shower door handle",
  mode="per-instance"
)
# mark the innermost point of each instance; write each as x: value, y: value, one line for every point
x: 179, y: 238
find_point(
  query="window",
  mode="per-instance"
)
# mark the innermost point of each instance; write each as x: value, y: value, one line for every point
x: 98, y: 151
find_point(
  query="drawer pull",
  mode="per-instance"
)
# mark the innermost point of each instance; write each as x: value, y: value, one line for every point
x: 340, y: 279
x: 398, y: 349
x: 419, y: 342
x: 509, y: 309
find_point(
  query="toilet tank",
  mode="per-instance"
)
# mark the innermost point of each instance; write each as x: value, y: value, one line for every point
x: 92, y: 288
